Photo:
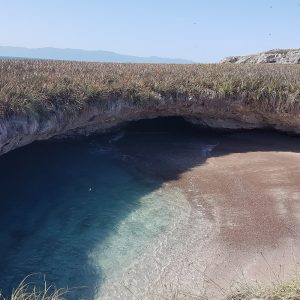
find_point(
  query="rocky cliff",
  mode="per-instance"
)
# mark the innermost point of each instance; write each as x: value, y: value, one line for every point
x: 45, y: 99
x: 213, y: 112
x: 279, y: 56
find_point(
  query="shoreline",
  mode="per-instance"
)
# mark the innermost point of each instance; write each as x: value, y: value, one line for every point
x: 253, y: 200
x: 245, y: 203
x: 234, y: 201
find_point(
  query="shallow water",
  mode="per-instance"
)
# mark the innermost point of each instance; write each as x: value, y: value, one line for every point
x: 79, y: 213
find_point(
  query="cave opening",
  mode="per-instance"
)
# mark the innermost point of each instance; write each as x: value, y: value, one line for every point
x: 171, y: 124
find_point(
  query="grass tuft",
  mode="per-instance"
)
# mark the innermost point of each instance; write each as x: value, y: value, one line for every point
x: 28, y: 291
x: 289, y: 290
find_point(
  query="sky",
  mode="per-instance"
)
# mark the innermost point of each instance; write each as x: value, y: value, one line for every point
x: 199, y: 30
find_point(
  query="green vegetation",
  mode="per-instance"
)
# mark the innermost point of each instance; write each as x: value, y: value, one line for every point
x: 42, y: 87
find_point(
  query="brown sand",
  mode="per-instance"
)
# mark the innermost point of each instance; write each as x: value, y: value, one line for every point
x: 248, y: 189
x: 253, y: 199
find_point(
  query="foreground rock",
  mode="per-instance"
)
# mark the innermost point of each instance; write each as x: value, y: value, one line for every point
x: 279, y: 56
x: 213, y: 112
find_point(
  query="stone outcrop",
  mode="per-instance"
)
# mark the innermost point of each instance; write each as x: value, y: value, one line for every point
x: 279, y: 56
x: 211, y: 112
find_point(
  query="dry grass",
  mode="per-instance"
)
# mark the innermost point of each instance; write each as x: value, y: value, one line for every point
x: 289, y: 290
x: 42, y: 87
x: 28, y: 291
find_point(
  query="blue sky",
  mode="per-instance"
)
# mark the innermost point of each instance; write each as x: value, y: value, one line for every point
x: 204, y: 31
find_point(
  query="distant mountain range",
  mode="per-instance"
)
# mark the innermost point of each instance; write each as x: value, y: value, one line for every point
x: 81, y: 55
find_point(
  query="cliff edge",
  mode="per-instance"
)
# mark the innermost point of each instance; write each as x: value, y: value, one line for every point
x: 44, y: 99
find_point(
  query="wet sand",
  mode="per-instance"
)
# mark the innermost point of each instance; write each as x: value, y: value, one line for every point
x: 250, y: 187
x: 244, y: 224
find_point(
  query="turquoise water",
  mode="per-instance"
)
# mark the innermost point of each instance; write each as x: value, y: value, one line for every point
x: 78, y: 213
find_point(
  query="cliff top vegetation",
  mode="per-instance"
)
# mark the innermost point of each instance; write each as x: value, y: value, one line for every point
x: 42, y: 87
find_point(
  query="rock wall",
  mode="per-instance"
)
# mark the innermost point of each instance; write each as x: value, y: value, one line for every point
x: 223, y: 113
x: 279, y: 56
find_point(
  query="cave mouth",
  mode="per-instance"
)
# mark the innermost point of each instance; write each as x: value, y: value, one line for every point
x: 170, y: 124
x: 181, y: 125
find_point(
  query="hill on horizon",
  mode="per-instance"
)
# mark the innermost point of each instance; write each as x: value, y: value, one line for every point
x: 82, y: 55
x: 277, y: 56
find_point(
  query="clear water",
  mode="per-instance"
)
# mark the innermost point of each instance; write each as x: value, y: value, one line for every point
x: 77, y: 213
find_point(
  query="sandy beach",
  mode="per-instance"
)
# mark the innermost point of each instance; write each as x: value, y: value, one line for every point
x: 153, y: 212
x: 244, y: 222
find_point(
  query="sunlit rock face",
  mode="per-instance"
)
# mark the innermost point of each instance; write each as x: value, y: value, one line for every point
x: 209, y: 111
x: 279, y: 56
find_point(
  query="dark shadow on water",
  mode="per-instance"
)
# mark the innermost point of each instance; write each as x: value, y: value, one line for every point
x: 75, y: 193
x: 58, y: 200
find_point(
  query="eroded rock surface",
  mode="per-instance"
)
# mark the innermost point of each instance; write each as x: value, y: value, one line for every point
x: 279, y: 56
x: 211, y: 112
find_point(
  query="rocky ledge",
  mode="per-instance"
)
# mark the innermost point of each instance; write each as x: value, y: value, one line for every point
x: 279, y: 56
x: 210, y: 111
